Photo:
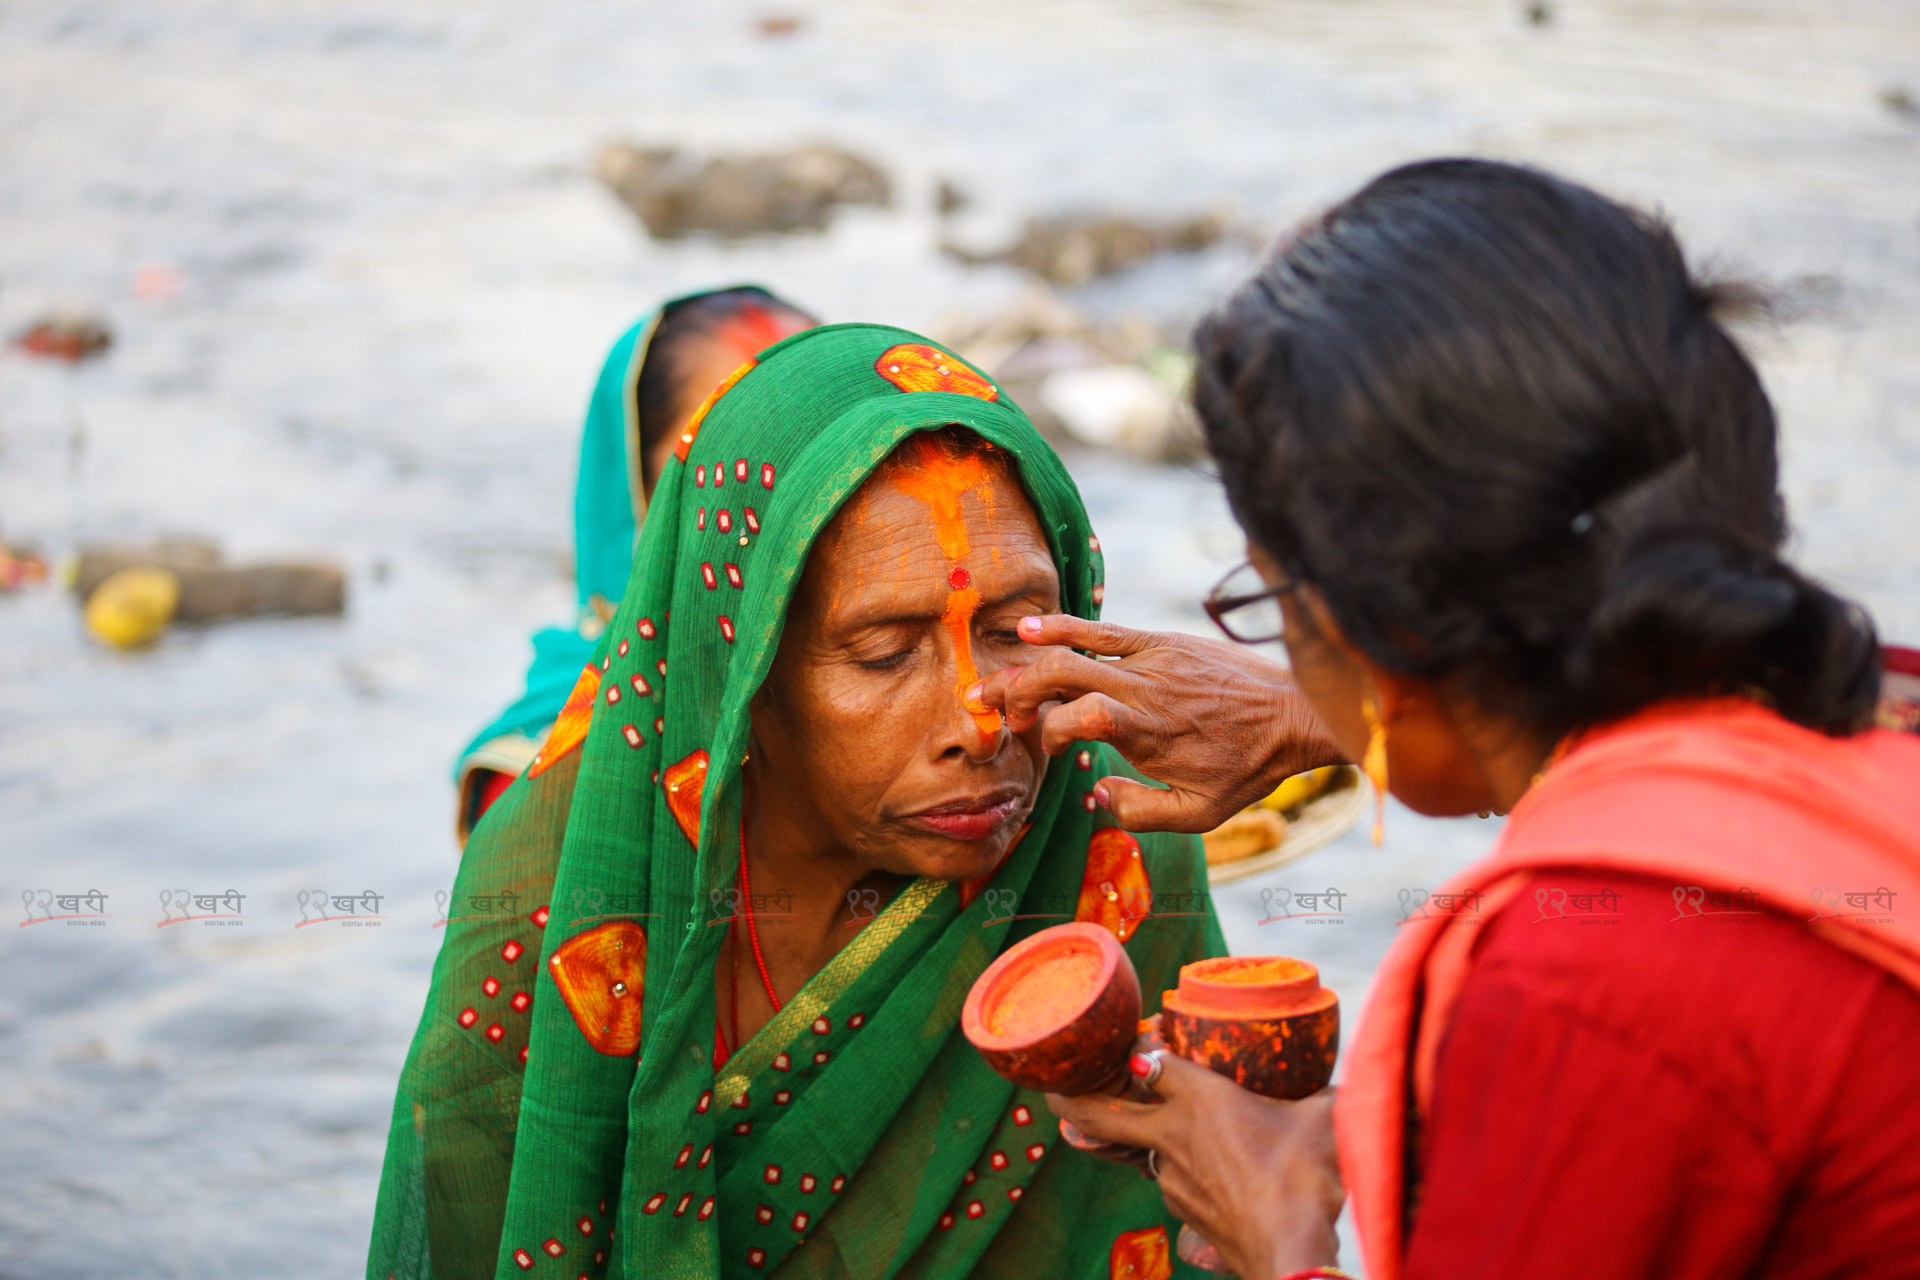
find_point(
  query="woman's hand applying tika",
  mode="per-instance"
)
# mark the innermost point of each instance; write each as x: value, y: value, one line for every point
x: 1259, y: 1179
x: 1216, y: 723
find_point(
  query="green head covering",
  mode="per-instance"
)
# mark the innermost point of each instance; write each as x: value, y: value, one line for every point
x: 858, y: 1133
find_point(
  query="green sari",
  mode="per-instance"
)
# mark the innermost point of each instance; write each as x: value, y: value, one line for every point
x: 858, y: 1134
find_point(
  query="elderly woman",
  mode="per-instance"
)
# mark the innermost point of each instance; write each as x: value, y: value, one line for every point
x: 653, y: 379
x: 696, y: 1010
x: 1510, y: 492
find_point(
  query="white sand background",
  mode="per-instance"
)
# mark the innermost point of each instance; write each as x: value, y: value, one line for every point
x: 397, y: 279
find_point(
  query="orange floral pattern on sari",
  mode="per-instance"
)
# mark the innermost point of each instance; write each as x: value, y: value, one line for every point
x: 602, y: 975
x: 914, y: 366
x: 686, y: 783
x: 1141, y: 1255
x: 691, y: 432
x: 570, y: 730
x: 1115, y: 891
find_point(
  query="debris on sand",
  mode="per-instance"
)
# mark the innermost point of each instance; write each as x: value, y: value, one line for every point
x: 1072, y: 249
x: 71, y: 338
x: 949, y: 197
x: 97, y: 563
x: 157, y: 282
x: 21, y: 567
x: 1039, y: 332
x: 1119, y: 385
x: 676, y: 194
x: 1114, y: 406
x: 133, y: 606
x: 205, y: 588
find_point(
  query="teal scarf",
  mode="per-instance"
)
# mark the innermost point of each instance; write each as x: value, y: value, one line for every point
x: 609, y: 505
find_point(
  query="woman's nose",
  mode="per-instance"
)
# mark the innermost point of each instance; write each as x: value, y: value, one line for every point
x: 973, y: 731
x: 960, y: 731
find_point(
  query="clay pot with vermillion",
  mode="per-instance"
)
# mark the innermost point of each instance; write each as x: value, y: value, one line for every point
x: 1264, y: 1022
x: 1057, y: 1012
x: 1060, y: 1012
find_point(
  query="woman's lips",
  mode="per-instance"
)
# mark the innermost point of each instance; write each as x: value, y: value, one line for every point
x: 968, y: 820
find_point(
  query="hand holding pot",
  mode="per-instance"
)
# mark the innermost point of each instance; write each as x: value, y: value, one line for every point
x: 1258, y: 1177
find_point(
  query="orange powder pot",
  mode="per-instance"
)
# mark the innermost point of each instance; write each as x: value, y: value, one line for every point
x: 1264, y: 1022
x: 1057, y: 1012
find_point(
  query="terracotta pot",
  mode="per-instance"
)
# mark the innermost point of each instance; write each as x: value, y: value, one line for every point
x: 1264, y: 1022
x: 1058, y: 1012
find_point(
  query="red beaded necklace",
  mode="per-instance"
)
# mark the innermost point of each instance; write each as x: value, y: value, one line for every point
x: 753, y: 933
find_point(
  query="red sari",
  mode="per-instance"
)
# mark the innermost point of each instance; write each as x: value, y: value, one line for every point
x: 1559, y: 1100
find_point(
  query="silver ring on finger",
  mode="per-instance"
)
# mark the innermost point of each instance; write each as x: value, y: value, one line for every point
x: 1153, y: 1164
x: 1157, y: 1059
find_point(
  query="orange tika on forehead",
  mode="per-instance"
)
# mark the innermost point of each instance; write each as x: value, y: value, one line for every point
x: 938, y: 475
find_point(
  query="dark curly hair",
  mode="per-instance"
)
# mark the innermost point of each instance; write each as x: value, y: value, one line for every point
x: 1492, y: 417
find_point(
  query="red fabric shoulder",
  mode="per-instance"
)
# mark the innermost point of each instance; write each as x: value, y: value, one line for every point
x: 1723, y: 795
x: 1688, y: 1092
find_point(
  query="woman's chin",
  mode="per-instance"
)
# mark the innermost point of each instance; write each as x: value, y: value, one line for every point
x: 946, y: 858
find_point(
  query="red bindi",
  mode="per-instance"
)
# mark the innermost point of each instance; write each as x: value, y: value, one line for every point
x: 959, y: 579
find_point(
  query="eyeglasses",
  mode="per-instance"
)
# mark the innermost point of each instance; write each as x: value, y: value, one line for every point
x: 1246, y: 608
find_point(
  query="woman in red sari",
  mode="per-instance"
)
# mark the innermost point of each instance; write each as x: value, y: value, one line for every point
x: 1513, y: 489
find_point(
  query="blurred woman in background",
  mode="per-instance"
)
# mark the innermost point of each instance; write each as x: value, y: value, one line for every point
x: 657, y: 374
x: 1511, y: 492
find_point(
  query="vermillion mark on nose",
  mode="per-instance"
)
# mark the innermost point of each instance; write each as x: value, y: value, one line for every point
x: 939, y: 480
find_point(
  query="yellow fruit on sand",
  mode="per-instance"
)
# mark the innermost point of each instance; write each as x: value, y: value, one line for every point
x: 132, y: 607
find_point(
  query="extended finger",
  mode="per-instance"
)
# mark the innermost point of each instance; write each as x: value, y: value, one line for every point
x: 1138, y: 807
x: 1117, y: 1152
x: 1058, y: 675
x: 1107, y: 1119
x: 1108, y: 639
x: 1179, y: 1078
x: 1095, y: 717
x: 992, y: 689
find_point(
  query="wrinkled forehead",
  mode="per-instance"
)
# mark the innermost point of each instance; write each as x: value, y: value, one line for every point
x: 933, y: 503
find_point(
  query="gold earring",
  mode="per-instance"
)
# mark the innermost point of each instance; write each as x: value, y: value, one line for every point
x: 1374, y: 765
